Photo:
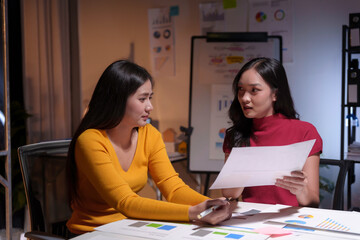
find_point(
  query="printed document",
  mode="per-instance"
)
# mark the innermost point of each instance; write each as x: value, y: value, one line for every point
x: 259, y: 166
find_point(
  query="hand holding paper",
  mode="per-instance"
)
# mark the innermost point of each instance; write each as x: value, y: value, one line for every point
x: 258, y: 166
x: 294, y: 183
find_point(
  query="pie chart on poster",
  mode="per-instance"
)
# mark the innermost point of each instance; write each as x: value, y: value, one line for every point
x: 279, y: 14
x: 260, y: 17
x: 222, y: 133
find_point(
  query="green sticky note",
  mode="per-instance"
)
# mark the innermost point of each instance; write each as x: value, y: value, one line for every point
x: 229, y: 4
x: 154, y: 225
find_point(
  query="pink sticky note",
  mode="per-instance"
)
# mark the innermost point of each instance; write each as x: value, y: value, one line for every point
x: 273, y: 231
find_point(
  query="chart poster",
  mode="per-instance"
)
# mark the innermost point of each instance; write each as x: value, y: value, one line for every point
x: 221, y: 99
x: 212, y: 17
x: 215, y: 18
x: 224, y: 60
x: 275, y: 18
x: 162, y: 47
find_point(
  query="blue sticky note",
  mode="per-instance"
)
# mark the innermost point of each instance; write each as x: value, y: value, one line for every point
x: 174, y: 10
x: 234, y: 236
x: 166, y: 227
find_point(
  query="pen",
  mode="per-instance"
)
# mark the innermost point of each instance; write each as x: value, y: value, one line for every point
x: 207, y: 211
x: 213, y: 208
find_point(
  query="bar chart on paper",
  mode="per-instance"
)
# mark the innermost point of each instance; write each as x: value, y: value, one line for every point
x: 332, y: 224
x: 165, y: 230
x: 321, y: 219
x: 327, y: 224
x: 156, y: 230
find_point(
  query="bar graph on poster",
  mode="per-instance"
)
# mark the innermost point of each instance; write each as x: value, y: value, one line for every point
x: 221, y: 99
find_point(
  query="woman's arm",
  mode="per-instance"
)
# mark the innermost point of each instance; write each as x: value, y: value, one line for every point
x: 304, y: 184
x: 231, y: 192
x: 176, y: 191
x: 165, y: 177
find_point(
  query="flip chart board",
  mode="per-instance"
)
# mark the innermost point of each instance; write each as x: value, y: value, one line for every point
x: 215, y: 61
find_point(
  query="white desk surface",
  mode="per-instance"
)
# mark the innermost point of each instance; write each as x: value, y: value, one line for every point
x: 256, y: 220
x: 97, y: 235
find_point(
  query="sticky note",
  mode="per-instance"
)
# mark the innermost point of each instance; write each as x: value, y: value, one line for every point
x: 229, y: 4
x: 273, y: 231
x: 174, y: 10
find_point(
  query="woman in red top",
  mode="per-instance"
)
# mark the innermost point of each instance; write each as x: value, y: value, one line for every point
x: 263, y: 114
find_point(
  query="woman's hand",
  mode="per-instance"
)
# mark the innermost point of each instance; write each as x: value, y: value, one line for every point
x: 304, y: 184
x: 233, y: 193
x: 296, y: 183
x: 220, y: 214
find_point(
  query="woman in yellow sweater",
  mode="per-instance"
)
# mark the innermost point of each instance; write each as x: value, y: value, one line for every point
x: 112, y: 152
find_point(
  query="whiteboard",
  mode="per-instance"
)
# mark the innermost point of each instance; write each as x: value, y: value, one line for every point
x: 214, y: 64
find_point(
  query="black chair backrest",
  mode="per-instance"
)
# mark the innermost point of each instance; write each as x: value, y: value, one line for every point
x: 339, y: 181
x: 43, y: 167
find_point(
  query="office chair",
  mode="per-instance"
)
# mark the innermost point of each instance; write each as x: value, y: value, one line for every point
x: 43, y: 167
x: 344, y: 168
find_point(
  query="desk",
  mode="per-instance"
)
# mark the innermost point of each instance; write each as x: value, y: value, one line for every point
x: 97, y: 235
x: 249, y: 221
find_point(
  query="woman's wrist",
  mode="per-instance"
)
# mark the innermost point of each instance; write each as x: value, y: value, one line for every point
x: 193, y: 212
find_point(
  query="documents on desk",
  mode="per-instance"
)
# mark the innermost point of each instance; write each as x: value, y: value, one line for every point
x: 249, y: 221
x: 258, y: 166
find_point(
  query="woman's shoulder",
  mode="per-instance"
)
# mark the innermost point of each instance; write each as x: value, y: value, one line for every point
x: 304, y: 128
x: 302, y: 124
x: 149, y: 130
x: 291, y: 123
x: 91, y: 134
x: 150, y: 136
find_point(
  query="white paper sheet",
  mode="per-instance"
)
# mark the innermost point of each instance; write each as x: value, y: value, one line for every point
x: 264, y: 216
x: 258, y: 166
x: 148, y: 229
x: 252, y: 215
x: 321, y: 219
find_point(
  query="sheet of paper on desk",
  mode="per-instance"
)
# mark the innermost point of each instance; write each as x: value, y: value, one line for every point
x: 149, y: 229
x: 322, y: 219
x: 252, y: 215
x: 258, y: 166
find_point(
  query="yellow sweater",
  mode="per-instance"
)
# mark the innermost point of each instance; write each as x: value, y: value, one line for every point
x: 107, y: 193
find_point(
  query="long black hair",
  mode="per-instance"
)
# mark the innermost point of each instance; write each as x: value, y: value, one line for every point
x: 273, y: 73
x: 107, y: 106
